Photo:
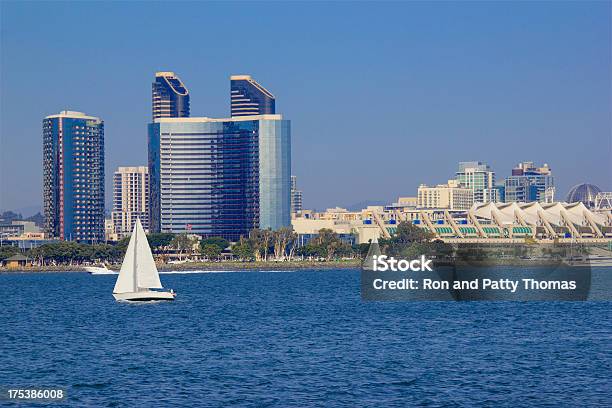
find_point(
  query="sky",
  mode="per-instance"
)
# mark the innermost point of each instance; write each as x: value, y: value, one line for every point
x: 382, y: 96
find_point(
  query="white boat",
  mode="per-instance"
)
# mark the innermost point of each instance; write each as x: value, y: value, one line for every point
x: 100, y: 270
x: 138, y: 274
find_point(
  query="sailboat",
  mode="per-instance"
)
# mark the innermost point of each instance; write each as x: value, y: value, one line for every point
x: 138, y: 274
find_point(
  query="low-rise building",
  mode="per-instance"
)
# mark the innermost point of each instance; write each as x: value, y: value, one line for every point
x: 350, y: 232
x: 27, y: 240
x: 17, y: 228
x: 16, y: 261
x: 23, y: 234
x: 403, y: 203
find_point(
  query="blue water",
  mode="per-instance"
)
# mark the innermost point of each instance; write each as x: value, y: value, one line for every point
x: 296, y: 339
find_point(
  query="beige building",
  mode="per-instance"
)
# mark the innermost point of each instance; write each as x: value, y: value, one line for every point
x: 407, y: 201
x: 451, y: 196
x: 109, y: 230
x: 363, y: 233
x: 130, y: 199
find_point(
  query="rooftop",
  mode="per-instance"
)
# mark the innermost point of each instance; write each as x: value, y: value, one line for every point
x: 165, y: 74
x: 205, y: 119
x: 17, y: 257
x: 72, y: 114
x: 132, y: 169
x: 253, y: 82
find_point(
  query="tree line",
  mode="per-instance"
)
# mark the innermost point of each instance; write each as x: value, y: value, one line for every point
x: 260, y: 245
x: 283, y: 245
x: 69, y: 252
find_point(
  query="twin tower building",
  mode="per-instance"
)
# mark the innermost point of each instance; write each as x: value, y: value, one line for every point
x: 213, y: 177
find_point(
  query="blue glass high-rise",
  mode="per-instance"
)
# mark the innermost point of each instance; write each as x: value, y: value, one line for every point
x: 73, y: 171
x: 529, y: 183
x: 250, y: 98
x: 170, y: 96
x: 220, y: 177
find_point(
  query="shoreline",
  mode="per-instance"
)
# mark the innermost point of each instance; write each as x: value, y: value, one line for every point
x: 206, y: 266
x: 236, y: 266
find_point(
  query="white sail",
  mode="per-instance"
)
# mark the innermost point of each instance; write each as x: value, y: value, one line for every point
x: 146, y: 271
x: 125, y: 280
x: 138, y: 270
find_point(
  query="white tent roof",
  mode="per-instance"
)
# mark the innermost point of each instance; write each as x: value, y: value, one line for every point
x: 579, y: 210
x: 530, y: 211
x: 490, y: 211
x: 554, y: 213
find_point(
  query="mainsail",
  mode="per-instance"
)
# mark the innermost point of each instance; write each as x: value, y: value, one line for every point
x: 125, y: 280
x: 146, y: 271
x: 138, y: 270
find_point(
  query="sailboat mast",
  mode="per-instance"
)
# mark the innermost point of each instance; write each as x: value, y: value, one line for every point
x: 135, y: 265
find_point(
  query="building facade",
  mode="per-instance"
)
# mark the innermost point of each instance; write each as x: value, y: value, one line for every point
x: 109, y: 230
x: 480, y: 179
x: 501, y: 192
x: 250, y: 98
x: 220, y: 177
x: 488, y: 223
x: 16, y: 228
x: 170, y: 96
x: 130, y: 199
x: 529, y: 183
x: 519, y: 189
x: 296, y: 197
x: 451, y: 196
x: 73, y: 176
x: 603, y: 200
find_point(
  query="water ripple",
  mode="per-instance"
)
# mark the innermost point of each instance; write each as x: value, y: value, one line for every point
x: 295, y: 340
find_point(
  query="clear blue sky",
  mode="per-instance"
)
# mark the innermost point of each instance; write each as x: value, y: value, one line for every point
x: 382, y: 96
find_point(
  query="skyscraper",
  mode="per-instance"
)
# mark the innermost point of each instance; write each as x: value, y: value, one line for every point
x: 220, y: 177
x: 170, y: 96
x: 250, y: 98
x: 73, y: 169
x: 480, y: 178
x: 529, y: 183
x: 130, y: 199
x: 296, y: 197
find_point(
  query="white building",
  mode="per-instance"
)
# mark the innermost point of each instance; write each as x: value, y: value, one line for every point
x: 451, y: 196
x: 130, y: 199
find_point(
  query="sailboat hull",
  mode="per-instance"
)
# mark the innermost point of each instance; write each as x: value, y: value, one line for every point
x: 144, y: 296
